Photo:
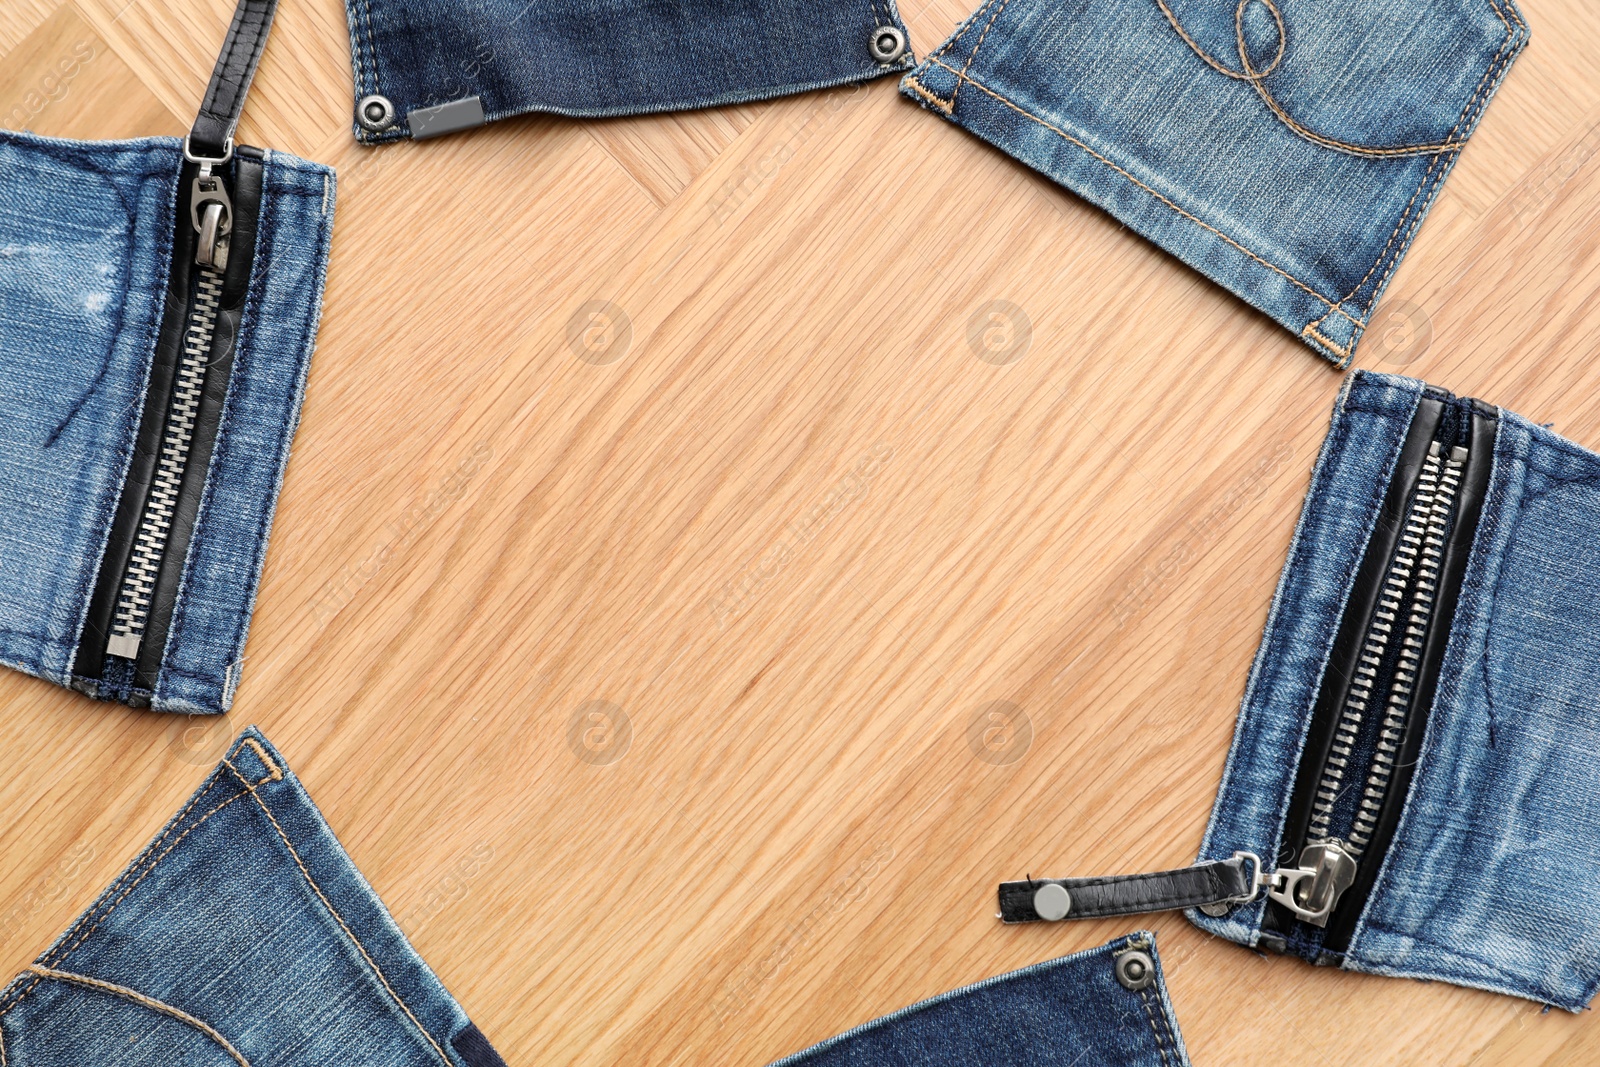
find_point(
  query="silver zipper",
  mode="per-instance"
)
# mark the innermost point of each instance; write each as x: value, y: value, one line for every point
x: 211, y: 213
x: 1411, y: 648
x: 1328, y: 865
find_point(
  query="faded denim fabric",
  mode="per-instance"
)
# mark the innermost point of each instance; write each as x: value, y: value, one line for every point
x: 1065, y: 1013
x: 606, y: 57
x: 86, y: 234
x: 242, y: 936
x: 1287, y: 150
x: 1489, y: 882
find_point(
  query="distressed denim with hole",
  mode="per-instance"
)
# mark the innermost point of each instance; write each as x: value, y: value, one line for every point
x: 497, y: 58
x: 1490, y: 879
x: 1288, y: 150
x: 242, y: 936
x: 1068, y: 1012
x: 86, y: 238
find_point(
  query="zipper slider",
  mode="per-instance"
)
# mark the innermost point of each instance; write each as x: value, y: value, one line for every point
x: 1327, y: 869
x: 210, y: 210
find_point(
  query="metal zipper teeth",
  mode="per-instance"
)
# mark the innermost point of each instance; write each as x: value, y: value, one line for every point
x: 1398, y: 708
x: 150, y: 542
x: 1375, y: 645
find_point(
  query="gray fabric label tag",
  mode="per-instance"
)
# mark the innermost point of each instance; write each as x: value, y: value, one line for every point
x: 461, y: 114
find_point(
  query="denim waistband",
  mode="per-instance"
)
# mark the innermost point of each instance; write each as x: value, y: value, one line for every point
x: 86, y: 240
x: 1107, y: 1006
x: 1488, y: 880
x: 433, y: 67
x: 242, y: 935
x: 1288, y: 153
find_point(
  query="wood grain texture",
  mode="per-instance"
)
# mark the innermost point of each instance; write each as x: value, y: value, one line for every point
x: 799, y: 434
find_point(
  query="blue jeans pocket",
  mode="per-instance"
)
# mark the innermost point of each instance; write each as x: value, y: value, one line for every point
x: 1472, y: 863
x: 426, y: 69
x: 1107, y: 1006
x: 150, y: 404
x: 1287, y: 150
x: 241, y: 935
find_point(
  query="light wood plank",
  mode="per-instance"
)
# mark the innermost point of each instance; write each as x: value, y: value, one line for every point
x: 689, y: 415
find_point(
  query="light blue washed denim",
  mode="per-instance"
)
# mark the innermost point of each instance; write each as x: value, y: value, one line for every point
x: 242, y: 936
x: 86, y: 233
x: 1069, y: 1012
x: 1288, y: 150
x: 607, y: 57
x: 1490, y: 881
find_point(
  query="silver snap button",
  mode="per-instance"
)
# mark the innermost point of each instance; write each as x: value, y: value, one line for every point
x: 375, y: 113
x: 1135, y: 969
x: 888, y: 44
x: 1052, y: 902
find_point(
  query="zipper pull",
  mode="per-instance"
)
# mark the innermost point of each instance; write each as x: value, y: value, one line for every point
x: 1327, y: 868
x: 210, y: 210
x: 1215, y: 887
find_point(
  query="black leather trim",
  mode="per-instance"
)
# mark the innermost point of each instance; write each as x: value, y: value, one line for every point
x: 1133, y: 894
x: 230, y: 80
x: 1485, y: 426
x: 474, y: 1049
x: 243, y: 176
x: 245, y: 183
x: 1346, y: 652
x: 89, y: 661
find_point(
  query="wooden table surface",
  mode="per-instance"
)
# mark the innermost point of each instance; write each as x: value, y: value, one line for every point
x: 720, y: 546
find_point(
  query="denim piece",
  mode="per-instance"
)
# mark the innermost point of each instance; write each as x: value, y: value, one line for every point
x: 85, y: 247
x: 607, y: 57
x: 1489, y: 880
x: 1295, y: 175
x: 242, y: 935
x: 1070, y: 1011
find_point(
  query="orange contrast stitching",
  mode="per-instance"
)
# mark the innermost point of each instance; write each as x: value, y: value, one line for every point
x: 1501, y: 60
x: 274, y: 774
x: 917, y: 87
x: 1483, y: 83
x: 1238, y: 23
x: 1332, y: 307
x: 1343, y: 350
x: 1161, y: 1045
x: 334, y: 911
x: 961, y: 30
x: 140, y: 998
x: 148, y: 850
x: 974, y: 54
x: 74, y: 945
x: 1255, y: 78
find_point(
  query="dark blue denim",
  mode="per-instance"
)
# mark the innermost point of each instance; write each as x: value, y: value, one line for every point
x: 1288, y: 151
x: 242, y: 936
x: 86, y: 238
x: 1490, y: 880
x: 606, y: 57
x: 1070, y: 1012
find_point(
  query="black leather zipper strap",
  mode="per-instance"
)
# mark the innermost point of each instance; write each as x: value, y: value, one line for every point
x: 1215, y: 882
x: 212, y: 134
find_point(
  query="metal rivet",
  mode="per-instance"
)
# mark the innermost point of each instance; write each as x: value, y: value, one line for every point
x: 375, y: 113
x: 888, y: 44
x: 1052, y: 902
x: 1135, y: 969
x: 1217, y: 910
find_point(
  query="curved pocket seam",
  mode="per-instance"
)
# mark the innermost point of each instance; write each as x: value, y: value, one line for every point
x: 1501, y: 58
x: 1332, y: 307
x: 137, y: 997
x: 1257, y: 80
x: 71, y: 944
